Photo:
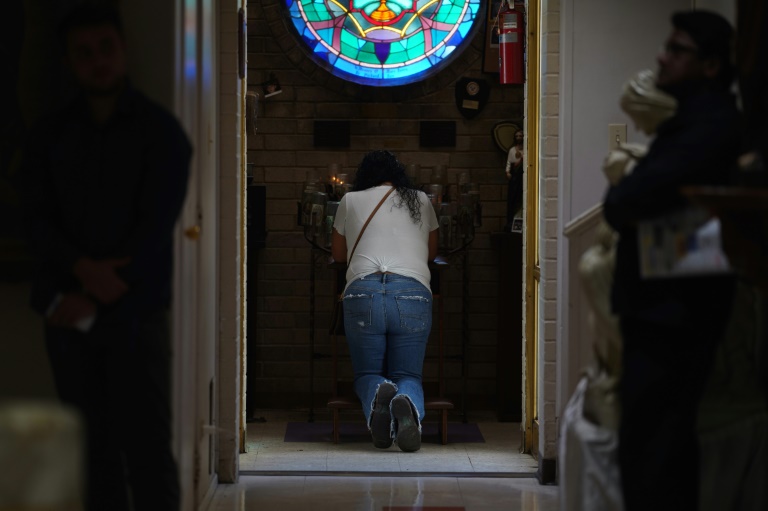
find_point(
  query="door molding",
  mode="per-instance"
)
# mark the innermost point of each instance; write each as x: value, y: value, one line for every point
x: 532, y: 271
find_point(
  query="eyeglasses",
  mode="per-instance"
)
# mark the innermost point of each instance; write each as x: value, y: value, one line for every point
x: 676, y: 49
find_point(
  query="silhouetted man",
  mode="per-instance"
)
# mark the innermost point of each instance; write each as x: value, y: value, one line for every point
x: 107, y: 177
x: 671, y: 327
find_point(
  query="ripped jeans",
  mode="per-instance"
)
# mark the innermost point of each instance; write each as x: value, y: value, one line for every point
x: 387, y: 318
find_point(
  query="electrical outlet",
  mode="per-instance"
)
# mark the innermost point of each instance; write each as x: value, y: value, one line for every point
x: 617, y: 134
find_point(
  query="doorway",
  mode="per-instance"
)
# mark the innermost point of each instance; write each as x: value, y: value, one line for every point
x: 284, y: 170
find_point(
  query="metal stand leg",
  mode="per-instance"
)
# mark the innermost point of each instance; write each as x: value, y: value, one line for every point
x: 311, y: 336
x: 464, y: 334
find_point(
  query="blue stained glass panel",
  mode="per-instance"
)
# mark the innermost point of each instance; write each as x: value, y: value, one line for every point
x: 383, y: 42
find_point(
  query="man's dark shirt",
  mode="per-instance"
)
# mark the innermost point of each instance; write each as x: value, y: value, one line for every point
x: 106, y: 191
x: 698, y: 146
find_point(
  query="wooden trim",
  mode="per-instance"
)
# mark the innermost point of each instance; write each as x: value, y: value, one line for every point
x: 243, y: 250
x: 532, y: 274
x: 547, y: 471
x: 585, y: 221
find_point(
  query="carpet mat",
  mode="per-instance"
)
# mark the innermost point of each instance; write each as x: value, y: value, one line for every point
x: 458, y: 432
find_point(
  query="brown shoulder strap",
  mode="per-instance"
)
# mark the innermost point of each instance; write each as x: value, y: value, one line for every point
x: 368, y: 221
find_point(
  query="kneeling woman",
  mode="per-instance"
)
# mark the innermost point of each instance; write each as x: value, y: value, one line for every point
x: 387, y: 231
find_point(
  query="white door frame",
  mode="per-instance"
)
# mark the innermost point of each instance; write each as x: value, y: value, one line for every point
x: 195, y: 310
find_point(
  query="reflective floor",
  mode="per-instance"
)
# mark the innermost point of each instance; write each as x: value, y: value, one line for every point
x: 318, y: 476
x: 321, y: 493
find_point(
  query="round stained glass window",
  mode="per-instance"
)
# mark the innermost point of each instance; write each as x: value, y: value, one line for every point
x: 384, y: 42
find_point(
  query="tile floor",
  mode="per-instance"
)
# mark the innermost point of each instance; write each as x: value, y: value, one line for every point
x: 324, y: 493
x: 498, y: 456
x: 291, y: 476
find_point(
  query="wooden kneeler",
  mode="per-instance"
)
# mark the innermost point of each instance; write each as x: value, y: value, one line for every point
x: 346, y: 401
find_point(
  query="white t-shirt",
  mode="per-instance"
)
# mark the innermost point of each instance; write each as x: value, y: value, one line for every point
x: 392, y: 242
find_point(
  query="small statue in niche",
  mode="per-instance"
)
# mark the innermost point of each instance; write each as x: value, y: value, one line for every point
x: 514, y: 171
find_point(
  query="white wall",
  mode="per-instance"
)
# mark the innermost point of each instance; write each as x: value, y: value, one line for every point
x: 602, y: 43
x: 605, y: 43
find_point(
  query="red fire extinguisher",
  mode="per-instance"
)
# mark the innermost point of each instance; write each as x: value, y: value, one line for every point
x: 511, y: 39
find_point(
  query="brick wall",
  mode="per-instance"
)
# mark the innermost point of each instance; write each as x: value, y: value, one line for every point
x: 230, y: 414
x: 281, y: 153
x: 549, y: 226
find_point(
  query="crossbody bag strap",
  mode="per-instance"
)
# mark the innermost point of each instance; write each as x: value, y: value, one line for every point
x: 368, y: 221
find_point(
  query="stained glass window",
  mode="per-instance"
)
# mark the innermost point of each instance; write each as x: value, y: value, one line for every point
x: 383, y: 42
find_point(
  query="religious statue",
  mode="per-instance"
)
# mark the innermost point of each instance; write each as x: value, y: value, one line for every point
x: 515, y: 172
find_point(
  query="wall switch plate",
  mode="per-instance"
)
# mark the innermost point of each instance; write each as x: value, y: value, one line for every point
x: 617, y: 135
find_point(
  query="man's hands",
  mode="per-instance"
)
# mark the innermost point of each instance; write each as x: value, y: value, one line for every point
x: 72, y: 308
x: 101, y: 284
x: 100, y: 278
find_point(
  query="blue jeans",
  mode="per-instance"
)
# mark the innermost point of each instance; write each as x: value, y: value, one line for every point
x: 387, y: 318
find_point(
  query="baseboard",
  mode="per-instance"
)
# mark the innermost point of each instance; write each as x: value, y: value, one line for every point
x: 205, y: 503
x: 547, y: 471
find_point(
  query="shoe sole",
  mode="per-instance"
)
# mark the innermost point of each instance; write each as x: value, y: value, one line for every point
x: 381, y: 421
x: 408, y: 435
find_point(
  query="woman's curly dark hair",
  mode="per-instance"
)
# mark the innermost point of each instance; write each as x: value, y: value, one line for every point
x: 382, y: 166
